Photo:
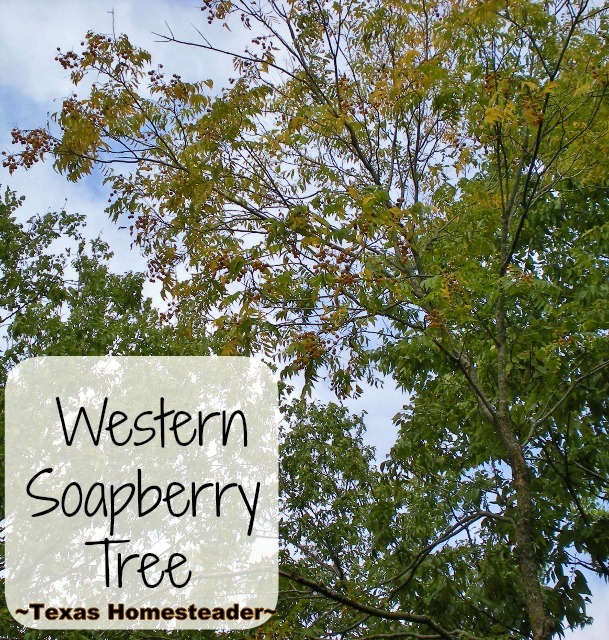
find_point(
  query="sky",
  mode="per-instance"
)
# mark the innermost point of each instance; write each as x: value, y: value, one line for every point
x: 32, y: 85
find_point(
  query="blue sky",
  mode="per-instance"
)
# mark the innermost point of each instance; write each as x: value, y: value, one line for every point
x: 32, y: 83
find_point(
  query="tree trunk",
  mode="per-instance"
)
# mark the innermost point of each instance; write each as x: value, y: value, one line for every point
x: 542, y: 624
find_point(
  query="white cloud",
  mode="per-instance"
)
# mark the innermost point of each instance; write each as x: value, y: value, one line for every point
x: 32, y: 31
x: 32, y: 83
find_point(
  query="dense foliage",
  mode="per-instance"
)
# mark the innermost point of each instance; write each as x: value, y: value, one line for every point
x: 413, y: 188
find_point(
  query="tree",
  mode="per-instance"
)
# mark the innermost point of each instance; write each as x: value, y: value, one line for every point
x: 58, y: 296
x: 413, y: 188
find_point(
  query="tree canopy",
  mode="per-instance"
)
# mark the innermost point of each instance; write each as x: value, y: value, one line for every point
x: 411, y: 188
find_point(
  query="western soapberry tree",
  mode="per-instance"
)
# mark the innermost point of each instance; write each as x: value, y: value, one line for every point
x: 413, y: 188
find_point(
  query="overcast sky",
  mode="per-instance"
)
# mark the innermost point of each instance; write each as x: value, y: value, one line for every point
x: 32, y: 84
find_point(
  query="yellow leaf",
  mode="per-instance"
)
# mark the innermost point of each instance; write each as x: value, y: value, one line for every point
x: 584, y: 88
x: 549, y: 88
x: 492, y: 115
x: 530, y: 85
